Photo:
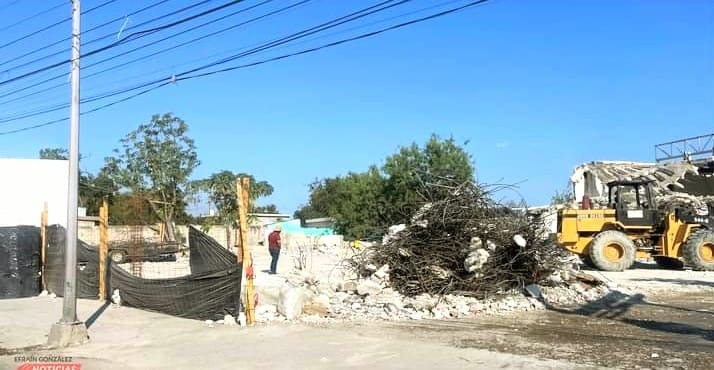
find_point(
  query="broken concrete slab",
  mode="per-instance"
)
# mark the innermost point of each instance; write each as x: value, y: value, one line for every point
x: 291, y: 301
x: 349, y: 286
x: 369, y: 287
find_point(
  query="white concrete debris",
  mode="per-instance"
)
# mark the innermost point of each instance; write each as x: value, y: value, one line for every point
x: 373, y: 299
x: 476, y: 259
x: 291, y: 301
x: 116, y: 297
x: 476, y: 243
x: 229, y: 320
x: 321, y: 296
x: 369, y: 287
x: 592, y: 178
x: 392, y: 233
x: 349, y: 286
x: 520, y: 240
x: 382, y: 273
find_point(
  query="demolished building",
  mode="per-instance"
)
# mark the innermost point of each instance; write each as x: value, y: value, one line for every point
x: 670, y: 178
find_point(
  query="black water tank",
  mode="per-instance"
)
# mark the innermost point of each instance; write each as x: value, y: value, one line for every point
x: 19, y: 261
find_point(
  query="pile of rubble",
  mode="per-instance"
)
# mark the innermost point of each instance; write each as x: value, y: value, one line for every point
x: 461, y: 255
x: 462, y: 242
x: 675, y: 183
x: 307, y: 299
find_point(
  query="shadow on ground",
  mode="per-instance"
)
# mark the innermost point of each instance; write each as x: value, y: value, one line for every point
x: 628, y: 309
x: 93, y: 318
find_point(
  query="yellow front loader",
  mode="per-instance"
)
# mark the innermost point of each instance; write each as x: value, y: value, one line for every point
x: 632, y: 227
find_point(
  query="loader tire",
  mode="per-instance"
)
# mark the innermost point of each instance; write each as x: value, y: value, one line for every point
x: 698, y: 251
x: 587, y: 261
x: 612, y: 250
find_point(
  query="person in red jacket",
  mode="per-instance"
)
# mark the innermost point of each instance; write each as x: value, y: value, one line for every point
x: 274, y: 248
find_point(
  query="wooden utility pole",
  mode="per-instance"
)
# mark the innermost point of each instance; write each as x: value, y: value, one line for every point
x: 242, y: 186
x: 103, y: 248
x: 43, y: 244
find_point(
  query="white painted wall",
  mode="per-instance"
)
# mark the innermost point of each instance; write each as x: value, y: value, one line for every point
x: 25, y: 184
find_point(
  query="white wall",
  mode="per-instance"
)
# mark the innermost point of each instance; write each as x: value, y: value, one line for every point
x: 25, y: 184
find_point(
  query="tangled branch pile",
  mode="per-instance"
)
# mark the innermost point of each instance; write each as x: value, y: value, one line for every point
x: 463, y: 242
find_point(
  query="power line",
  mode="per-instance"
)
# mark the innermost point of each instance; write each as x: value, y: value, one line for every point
x: 304, y: 33
x: 335, y: 43
x: 128, y: 38
x: 45, y: 28
x: 84, y: 32
x: 175, y: 78
x: 42, y: 12
x: 87, y: 112
x: 221, y: 31
x: 117, y: 66
x: 327, y: 25
x: 11, y: 3
x: 152, y: 43
x: 331, y: 24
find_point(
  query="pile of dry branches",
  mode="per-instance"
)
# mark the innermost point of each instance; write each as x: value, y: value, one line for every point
x: 463, y: 242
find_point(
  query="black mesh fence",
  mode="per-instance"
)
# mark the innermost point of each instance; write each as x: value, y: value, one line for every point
x: 19, y: 261
x: 208, y: 293
x: 87, y: 265
x: 209, y: 290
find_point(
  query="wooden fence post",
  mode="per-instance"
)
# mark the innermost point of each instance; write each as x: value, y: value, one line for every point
x: 242, y: 186
x: 103, y: 248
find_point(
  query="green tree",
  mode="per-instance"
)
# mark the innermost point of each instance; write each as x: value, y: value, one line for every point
x: 54, y: 153
x: 364, y: 204
x: 155, y: 162
x: 222, y: 192
x: 411, y: 167
x: 268, y: 208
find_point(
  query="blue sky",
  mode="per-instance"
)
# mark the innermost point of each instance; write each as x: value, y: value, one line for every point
x: 536, y: 87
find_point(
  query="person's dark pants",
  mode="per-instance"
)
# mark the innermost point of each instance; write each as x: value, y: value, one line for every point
x: 275, y: 253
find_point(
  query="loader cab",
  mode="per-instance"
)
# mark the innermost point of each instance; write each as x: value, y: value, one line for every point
x: 633, y: 203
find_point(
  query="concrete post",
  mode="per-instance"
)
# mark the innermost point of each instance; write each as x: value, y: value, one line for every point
x: 70, y: 331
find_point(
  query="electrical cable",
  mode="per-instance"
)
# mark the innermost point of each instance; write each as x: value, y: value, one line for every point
x: 114, y: 44
x: 330, y: 24
x: 122, y: 65
x: 66, y: 39
x: 43, y: 12
x: 11, y: 3
x: 45, y: 28
x: 175, y: 78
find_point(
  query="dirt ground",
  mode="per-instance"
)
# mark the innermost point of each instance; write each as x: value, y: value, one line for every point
x: 658, y: 319
x: 667, y: 330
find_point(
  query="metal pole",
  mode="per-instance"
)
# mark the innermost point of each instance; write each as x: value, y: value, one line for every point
x: 69, y: 308
x: 70, y: 331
